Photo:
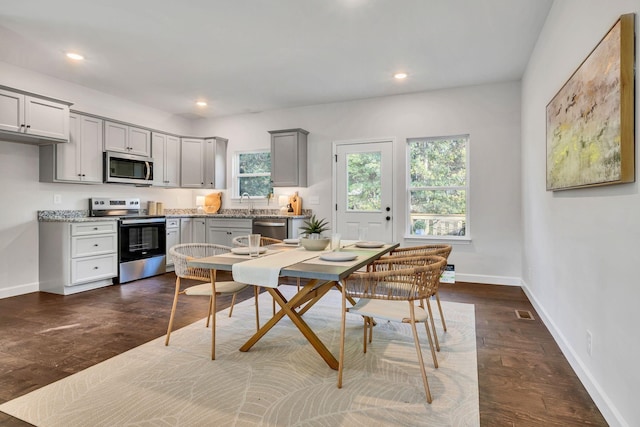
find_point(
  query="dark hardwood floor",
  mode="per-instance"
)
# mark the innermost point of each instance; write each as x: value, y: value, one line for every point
x: 524, y: 379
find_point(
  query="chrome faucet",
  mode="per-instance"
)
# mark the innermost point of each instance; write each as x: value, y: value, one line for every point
x: 250, y: 208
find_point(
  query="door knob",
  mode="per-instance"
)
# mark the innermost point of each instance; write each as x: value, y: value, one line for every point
x: 388, y: 209
x: 388, y: 218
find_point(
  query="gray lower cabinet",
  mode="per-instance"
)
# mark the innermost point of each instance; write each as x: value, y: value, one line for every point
x: 77, y: 257
x: 293, y: 227
x: 199, y: 230
x: 222, y: 231
x: 193, y: 230
x: 173, y: 237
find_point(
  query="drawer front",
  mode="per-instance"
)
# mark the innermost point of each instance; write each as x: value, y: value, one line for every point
x: 102, y: 227
x: 90, y: 269
x: 229, y: 223
x: 93, y: 245
x: 173, y: 223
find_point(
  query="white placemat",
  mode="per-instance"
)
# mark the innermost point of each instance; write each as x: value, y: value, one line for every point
x: 264, y: 271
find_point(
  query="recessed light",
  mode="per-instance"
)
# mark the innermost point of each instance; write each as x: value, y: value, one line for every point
x: 400, y: 76
x: 75, y: 56
x: 201, y: 103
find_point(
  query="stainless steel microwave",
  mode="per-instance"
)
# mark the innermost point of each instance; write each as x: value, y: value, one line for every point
x: 124, y: 168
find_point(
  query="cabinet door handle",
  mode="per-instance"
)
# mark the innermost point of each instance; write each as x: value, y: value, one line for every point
x: 96, y: 245
x: 96, y: 267
x: 95, y: 228
x: 28, y: 126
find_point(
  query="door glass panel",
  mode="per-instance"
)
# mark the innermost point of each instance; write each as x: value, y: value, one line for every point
x: 364, y: 181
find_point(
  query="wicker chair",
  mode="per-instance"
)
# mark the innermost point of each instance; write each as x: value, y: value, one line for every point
x: 392, y: 295
x: 396, y: 263
x: 437, y: 249
x: 181, y: 254
x: 264, y: 241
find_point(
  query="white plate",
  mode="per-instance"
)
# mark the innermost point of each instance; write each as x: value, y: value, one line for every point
x: 244, y: 250
x: 338, y: 256
x: 369, y: 244
x: 292, y: 241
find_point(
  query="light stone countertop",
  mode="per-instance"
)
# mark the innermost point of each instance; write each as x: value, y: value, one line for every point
x: 83, y: 215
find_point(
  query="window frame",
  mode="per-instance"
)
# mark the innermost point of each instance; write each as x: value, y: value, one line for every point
x: 236, y: 175
x: 466, y: 188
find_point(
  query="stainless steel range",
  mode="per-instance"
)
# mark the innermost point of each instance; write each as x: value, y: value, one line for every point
x: 141, y: 238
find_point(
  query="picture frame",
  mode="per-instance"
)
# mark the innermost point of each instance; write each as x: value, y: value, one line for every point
x: 590, y: 133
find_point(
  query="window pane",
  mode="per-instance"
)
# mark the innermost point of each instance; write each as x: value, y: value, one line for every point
x: 438, y: 162
x: 364, y: 181
x: 255, y: 185
x: 438, y: 212
x: 254, y: 162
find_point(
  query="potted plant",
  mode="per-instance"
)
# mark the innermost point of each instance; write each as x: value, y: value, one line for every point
x: 312, y: 239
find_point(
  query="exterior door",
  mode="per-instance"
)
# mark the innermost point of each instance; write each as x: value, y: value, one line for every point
x: 363, y: 194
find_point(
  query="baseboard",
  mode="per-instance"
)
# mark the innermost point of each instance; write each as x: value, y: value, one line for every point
x: 489, y: 280
x: 600, y: 398
x: 19, y: 290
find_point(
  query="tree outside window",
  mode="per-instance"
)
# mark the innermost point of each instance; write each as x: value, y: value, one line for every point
x: 438, y: 186
x: 253, y: 173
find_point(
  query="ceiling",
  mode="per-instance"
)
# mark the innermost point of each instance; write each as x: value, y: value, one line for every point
x: 246, y: 56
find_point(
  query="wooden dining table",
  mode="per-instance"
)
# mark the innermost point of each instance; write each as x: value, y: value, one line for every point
x: 321, y: 278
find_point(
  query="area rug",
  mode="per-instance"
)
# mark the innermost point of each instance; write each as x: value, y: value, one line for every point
x: 281, y: 381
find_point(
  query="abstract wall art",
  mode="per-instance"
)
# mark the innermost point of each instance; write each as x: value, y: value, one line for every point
x: 590, y: 121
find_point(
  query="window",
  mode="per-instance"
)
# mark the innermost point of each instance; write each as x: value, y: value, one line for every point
x: 438, y: 187
x: 252, y: 173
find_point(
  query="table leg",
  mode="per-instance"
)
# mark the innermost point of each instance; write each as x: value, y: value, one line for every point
x: 288, y: 308
x: 343, y: 327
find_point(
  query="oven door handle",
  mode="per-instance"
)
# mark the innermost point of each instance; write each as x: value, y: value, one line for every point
x: 142, y: 221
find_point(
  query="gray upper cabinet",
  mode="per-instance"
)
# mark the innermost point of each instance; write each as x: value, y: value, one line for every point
x: 191, y: 163
x: 127, y: 139
x: 80, y: 160
x: 203, y: 163
x: 215, y: 163
x: 166, y: 160
x: 289, y: 158
x: 29, y: 118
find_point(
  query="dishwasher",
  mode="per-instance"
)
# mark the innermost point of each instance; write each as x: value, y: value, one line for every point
x: 276, y: 228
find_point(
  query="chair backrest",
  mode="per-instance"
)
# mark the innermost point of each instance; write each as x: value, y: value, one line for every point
x: 397, y: 283
x: 182, y: 253
x: 442, y: 250
x: 390, y: 263
x: 264, y: 241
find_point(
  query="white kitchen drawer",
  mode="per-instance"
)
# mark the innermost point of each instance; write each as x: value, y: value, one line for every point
x: 93, y: 245
x: 102, y: 227
x: 94, y: 268
x: 173, y: 222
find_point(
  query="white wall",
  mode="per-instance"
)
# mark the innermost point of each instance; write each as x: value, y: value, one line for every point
x: 22, y: 195
x: 581, y: 246
x: 489, y: 113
